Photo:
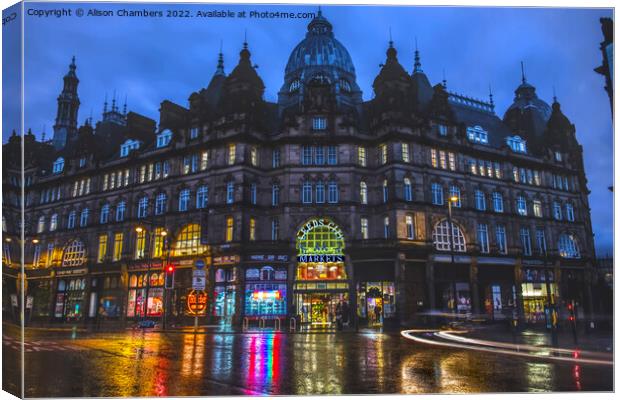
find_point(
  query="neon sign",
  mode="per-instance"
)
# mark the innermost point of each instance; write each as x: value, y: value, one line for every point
x: 266, y: 295
x: 197, y: 302
x: 319, y: 222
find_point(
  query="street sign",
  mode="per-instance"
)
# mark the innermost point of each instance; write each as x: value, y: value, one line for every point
x: 199, y: 264
x: 198, y: 283
x: 197, y: 302
x: 199, y: 272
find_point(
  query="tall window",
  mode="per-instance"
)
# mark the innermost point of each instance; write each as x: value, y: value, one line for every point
x: 275, y: 195
x: 361, y: 156
x: 383, y: 154
x: 232, y: 149
x: 103, y: 248
x: 480, y: 200
x: 275, y: 158
x: 275, y: 229
x: 319, y: 123
x: 320, y: 192
x: 386, y: 191
x: 332, y: 195
x: 120, y: 211
x: 254, y: 156
x: 319, y: 155
x: 437, y: 194
x: 188, y: 241
x: 71, y: 220
x: 363, y: 193
x: 364, y: 227
x: 230, y: 229
x: 483, y: 238
x: 158, y: 242
x: 41, y: 224
x: 36, y: 256
x: 541, y: 242
x: 537, y: 207
x: 184, y: 200
x: 230, y: 192
x: 526, y: 243
x: 557, y: 211
x: 500, y: 237
x: 143, y: 206
x: 140, y: 244
x: 253, y: 193
x: 570, y: 213
x: 59, y: 165
x: 386, y: 227
x: 306, y: 156
x: 442, y: 237
x: 74, y: 254
x: 204, y: 160
x: 118, y: 246
x: 405, y: 152
x: 104, y: 216
x: 84, y: 217
x: 202, y: 196
x: 49, y: 255
x: 407, y: 190
x: 53, y: 222
x: 521, y: 205
x: 252, y: 228
x: 567, y: 245
x: 306, y: 192
x: 434, y: 162
x: 410, y: 227
x: 455, y: 191
x: 498, y: 202
x: 332, y: 155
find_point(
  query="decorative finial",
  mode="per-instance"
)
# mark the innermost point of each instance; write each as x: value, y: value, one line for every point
x: 220, y: 61
x: 73, y: 62
x: 125, y: 106
x: 43, y: 134
x: 391, y: 41
x: 491, y: 97
x: 417, y: 66
x: 105, y: 103
x: 114, y: 101
x: 245, y: 39
x: 522, y: 73
x: 444, y: 83
x: 320, y: 13
x: 555, y: 99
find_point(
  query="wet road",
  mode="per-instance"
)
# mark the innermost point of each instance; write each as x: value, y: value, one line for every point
x: 181, y: 364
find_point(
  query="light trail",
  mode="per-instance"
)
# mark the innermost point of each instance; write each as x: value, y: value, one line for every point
x: 408, y: 334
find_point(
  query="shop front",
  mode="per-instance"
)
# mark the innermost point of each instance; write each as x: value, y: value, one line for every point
x: 226, y: 289
x: 321, y: 287
x: 452, y: 291
x: 538, y: 293
x: 265, y: 292
x: 498, y: 291
x: 376, y: 294
x: 70, y: 299
x: 145, y: 297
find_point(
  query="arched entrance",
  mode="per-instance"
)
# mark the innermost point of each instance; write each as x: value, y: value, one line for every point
x: 321, y: 282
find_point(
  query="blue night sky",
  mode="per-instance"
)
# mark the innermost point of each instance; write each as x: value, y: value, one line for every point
x: 152, y: 59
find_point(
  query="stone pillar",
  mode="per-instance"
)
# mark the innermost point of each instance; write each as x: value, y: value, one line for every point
x: 473, y: 285
x: 557, y: 279
x: 518, y: 290
x: 403, y: 312
x: 587, y: 288
x: 430, y: 282
x: 352, y: 293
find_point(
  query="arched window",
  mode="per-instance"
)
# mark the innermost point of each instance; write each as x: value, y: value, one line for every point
x: 74, y: 254
x: 442, y: 239
x: 344, y: 85
x: 363, y: 193
x: 133, y: 281
x: 41, y: 224
x: 294, y: 86
x: 568, y: 247
x: 267, y: 274
x: 120, y: 211
x: 320, y: 249
x: 59, y: 165
x: 188, y: 242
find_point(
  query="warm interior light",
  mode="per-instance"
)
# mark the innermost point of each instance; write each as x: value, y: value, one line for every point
x: 164, y: 233
x: 454, y: 199
x: 139, y: 229
x: 35, y: 241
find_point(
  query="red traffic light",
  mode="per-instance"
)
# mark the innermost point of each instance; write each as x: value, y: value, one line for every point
x: 170, y: 268
x: 570, y: 306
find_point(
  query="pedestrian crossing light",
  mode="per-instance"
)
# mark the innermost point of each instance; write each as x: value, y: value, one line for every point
x: 169, y: 276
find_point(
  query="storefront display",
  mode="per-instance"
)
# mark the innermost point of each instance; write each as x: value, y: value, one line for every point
x: 321, y: 309
x: 264, y: 299
x: 70, y: 295
x: 224, y: 301
x: 535, y: 300
x: 456, y: 297
x: 146, y: 295
x: 376, y: 301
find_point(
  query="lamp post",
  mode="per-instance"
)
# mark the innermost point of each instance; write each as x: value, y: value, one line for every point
x: 551, y: 304
x: 452, y: 199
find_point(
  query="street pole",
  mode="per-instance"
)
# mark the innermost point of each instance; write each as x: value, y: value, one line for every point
x: 551, y: 306
x: 450, y: 242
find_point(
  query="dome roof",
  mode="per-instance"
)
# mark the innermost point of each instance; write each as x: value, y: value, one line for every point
x: 319, y: 48
x: 526, y: 98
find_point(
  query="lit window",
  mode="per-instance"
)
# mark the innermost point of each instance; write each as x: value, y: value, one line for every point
x: 568, y: 247
x: 232, y: 149
x: 319, y: 123
x: 59, y: 165
x: 120, y: 211
x: 570, y: 213
x: 405, y: 152
x: 74, y: 254
x: 516, y: 144
x: 442, y: 237
x: 193, y: 132
x: 498, y: 202
x: 307, y: 155
x: 452, y: 161
x: 558, y: 156
x: 53, y: 222
x: 557, y: 211
x: 442, y: 160
x: 361, y: 156
x: 477, y: 135
x: 480, y: 200
x: 118, y: 246
x: 410, y: 227
x: 275, y: 195
x: 230, y: 192
x: 254, y: 156
x: 332, y: 155
x: 84, y: 217
x: 320, y: 192
x: 386, y: 227
x: 204, y: 160
x: 202, y: 196
x: 36, y: 256
x: 184, y: 200
x: 252, y: 193
x: 407, y: 190
x: 537, y: 206
x: 483, y: 238
x: 294, y: 86
x: 363, y: 193
x: 188, y: 241
x: 103, y: 248
x: 129, y: 145
x: 319, y: 155
x: 230, y: 226
x: 252, y: 229
x: 437, y: 194
x: 383, y: 154
x: 526, y: 244
x: 140, y: 244
x: 163, y: 138
x: 143, y: 205
x: 434, y: 158
x: 521, y: 205
x: 364, y: 228
x: 386, y: 191
x: 41, y: 224
x: 442, y: 129
x: 500, y: 237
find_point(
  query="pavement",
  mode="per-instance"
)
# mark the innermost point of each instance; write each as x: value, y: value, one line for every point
x: 142, y: 362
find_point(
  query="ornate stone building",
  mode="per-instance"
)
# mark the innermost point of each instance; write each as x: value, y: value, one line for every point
x: 317, y: 204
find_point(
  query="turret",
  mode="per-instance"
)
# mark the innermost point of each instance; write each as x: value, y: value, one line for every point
x: 65, y: 127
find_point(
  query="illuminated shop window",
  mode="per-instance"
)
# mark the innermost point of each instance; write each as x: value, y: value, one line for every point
x: 188, y: 242
x: 74, y: 254
x: 442, y: 238
x: 320, y: 249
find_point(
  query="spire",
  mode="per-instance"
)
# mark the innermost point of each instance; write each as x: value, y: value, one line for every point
x: 417, y: 66
x: 444, y: 83
x: 114, y: 101
x: 523, y: 80
x: 491, y: 97
x: 105, y: 103
x: 245, y: 39
x: 391, y: 42
x: 320, y: 13
x: 220, y: 62
x: 555, y: 99
x: 43, y: 135
x: 125, y: 106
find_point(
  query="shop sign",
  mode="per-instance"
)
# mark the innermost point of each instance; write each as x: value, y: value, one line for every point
x: 319, y: 222
x: 154, y: 265
x: 65, y: 272
x: 197, y: 302
x: 226, y: 260
x: 184, y: 262
x: 268, y: 257
x: 322, y: 258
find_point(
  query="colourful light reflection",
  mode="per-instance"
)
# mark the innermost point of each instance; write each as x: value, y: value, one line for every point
x: 263, y: 363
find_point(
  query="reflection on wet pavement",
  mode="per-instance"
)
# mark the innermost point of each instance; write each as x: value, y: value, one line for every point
x: 177, y: 364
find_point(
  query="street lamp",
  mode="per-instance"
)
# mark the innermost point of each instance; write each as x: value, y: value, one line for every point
x: 35, y: 241
x: 453, y: 199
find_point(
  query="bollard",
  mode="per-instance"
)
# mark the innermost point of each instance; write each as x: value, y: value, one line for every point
x: 293, y: 324
x: 246, y: 323
x: 277, y: 324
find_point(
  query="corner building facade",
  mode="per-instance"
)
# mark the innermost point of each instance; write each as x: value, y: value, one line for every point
x: 318, y: 205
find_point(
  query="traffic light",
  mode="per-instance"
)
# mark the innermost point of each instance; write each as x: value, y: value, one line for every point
x: 169, y: 276
x: 571, y: 312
